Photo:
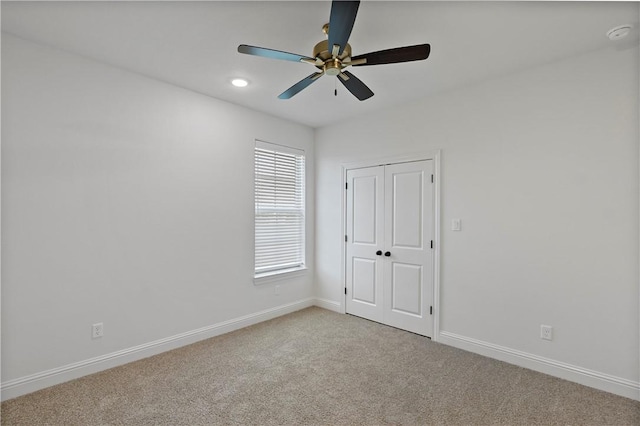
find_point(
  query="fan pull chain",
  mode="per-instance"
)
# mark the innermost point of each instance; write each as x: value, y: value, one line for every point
x: 335, y: 87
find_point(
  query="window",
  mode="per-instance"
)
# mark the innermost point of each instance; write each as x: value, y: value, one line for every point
x: 279, y: 209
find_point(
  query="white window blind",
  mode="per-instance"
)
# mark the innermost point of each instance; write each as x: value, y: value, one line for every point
x: 279, y: 208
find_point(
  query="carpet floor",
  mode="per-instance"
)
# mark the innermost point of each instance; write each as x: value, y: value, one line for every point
x: 316, y: 367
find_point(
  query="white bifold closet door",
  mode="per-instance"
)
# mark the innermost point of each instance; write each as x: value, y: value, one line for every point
x: 389, y: 253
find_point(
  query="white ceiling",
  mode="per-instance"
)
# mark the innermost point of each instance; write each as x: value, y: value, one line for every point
x: 193, y: 44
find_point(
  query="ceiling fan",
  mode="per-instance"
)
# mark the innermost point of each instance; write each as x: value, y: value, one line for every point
x: 333, y: 55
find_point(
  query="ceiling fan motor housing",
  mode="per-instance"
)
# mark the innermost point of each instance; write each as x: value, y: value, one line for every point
x: 331, y: 66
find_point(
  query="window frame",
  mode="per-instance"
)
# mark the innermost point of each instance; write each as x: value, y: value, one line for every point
x: 283, y: 272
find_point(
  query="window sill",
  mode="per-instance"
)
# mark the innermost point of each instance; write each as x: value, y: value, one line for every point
x: 284, y: 274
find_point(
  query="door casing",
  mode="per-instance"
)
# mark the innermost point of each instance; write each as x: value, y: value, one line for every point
x: 435, y: 157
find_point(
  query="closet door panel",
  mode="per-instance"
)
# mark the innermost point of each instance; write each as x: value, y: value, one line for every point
x: 365, y: 238
x: 408, y: 270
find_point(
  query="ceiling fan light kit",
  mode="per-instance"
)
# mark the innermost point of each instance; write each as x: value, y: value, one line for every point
x: 333, y: 55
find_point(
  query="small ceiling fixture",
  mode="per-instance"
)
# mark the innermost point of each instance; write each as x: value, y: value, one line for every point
x: 239, y: 82
x: 619, y: 32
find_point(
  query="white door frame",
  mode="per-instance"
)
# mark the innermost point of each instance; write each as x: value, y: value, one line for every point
x: 431, y: 155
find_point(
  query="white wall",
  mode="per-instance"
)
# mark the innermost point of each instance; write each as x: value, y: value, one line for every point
x: 542, y: 168
x: 124, y: 201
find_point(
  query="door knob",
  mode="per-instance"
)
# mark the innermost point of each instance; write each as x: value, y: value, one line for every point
x: 387, y: 253
x: 379, y: 252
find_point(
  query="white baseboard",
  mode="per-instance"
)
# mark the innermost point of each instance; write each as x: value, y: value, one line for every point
x: 27, y: 384
x: 329, y: 305
x: 583, y: 376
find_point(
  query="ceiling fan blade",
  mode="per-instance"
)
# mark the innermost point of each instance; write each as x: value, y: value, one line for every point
x: 299, y: 86
x: 341, y: 20
x: 273, y: 54
x: 393, y: 56
x: 355, y: 86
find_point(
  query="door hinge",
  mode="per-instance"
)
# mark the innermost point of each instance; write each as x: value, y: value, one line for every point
x: 430, y: 310
x: 345, y: 290
x: 346, y: 185
x: 345, y: 238
x: 431, y: 178
x: 431, y: 243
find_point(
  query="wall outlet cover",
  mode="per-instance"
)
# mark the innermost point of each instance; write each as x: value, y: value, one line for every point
x: 97, y: 330
x: 546, y: 332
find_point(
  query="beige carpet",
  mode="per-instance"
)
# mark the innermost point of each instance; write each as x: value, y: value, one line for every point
x: 319, y: 367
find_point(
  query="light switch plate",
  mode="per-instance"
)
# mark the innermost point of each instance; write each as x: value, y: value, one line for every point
x: 456, y: 224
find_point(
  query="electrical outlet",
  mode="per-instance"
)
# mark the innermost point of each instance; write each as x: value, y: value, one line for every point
x: 97, y: 330
x: 546, y: 332
x: 277, y: 290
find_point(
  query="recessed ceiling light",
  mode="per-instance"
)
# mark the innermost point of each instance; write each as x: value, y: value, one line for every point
x: 619, y: 32
x: 239, y: 82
